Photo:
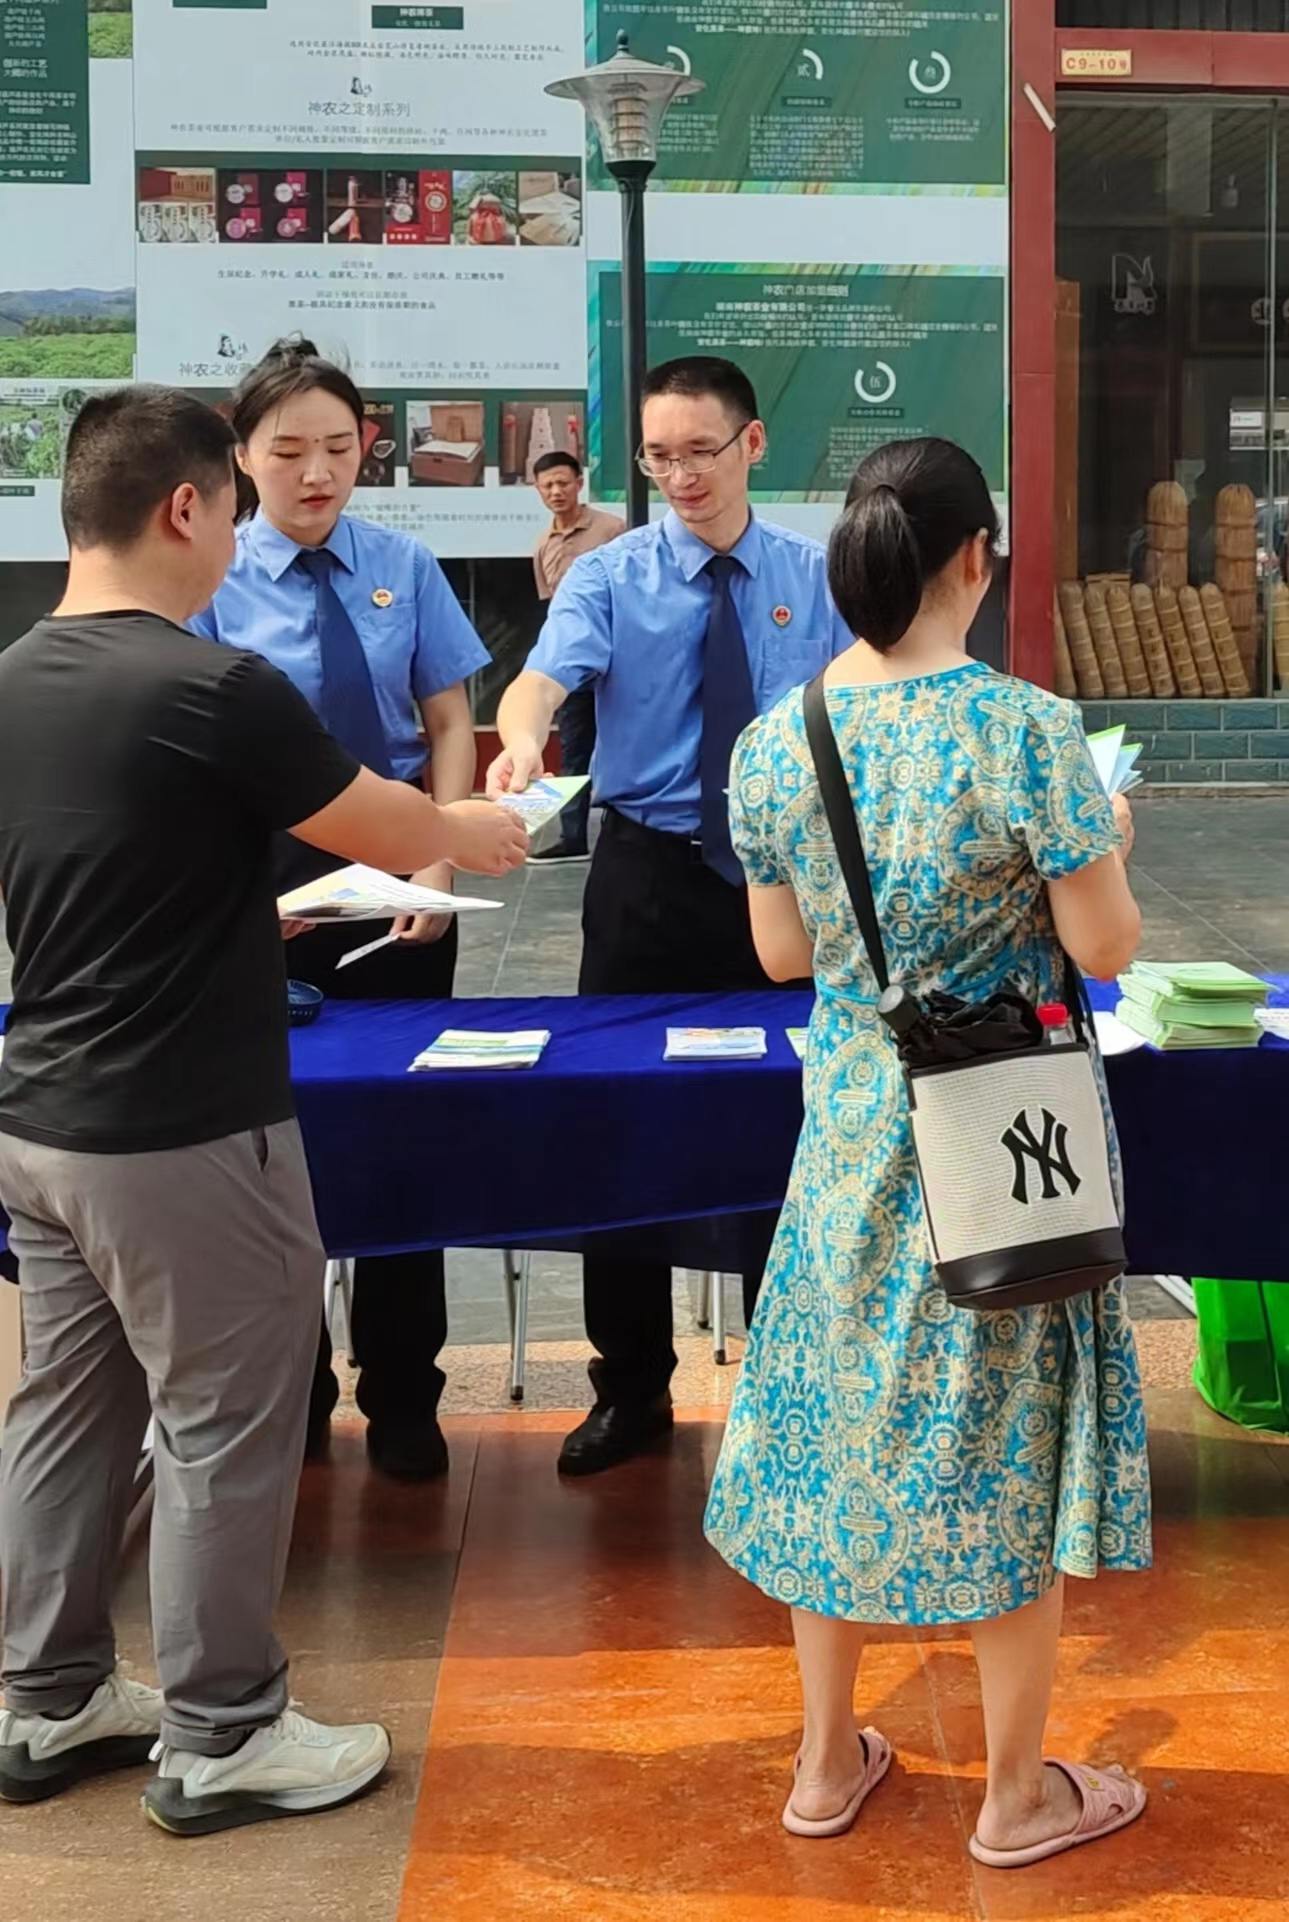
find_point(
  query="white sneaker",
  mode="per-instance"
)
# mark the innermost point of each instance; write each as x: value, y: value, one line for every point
x: 293, y: 1767
x: 116, y: 1729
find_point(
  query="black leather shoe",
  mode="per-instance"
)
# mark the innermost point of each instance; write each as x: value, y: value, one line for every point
x: 408, y: 1452
x: 612, y: 1433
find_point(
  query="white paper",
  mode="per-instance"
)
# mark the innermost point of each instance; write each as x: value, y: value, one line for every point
x: 359, y: 893
x: 1273, y: 1021
x: 368, y: 947
x: 1114, y: 1036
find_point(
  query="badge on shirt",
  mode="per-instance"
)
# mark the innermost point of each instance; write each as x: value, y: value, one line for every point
x: 781, y: 616
x: 382, y: 598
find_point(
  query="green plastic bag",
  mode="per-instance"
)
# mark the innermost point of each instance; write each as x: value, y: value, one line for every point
x: 1243, y: 1366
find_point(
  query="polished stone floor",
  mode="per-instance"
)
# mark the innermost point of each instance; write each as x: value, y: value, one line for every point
x: 595, y: 1719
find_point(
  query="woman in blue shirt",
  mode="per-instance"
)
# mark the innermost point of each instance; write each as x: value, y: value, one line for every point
x: 364, y: 623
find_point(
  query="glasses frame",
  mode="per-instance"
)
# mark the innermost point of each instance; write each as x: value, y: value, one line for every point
x: 682, y: 462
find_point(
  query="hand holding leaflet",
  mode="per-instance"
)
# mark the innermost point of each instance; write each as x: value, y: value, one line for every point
x: 359, y: 893
x: 543, y: 799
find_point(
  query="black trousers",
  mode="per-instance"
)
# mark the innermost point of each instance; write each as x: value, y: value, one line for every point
x: 654, y: 921
x: 400, y: 1320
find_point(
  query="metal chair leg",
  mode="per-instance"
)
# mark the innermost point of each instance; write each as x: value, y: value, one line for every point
x: 347, y: 1304
x: 338, y: 1279
x: 517, y: 1271
x: 704, y: 1314
x: 718, y: 1320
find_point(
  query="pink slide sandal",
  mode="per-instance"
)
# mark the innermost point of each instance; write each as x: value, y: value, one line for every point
x: 878, y: 1756
x: 1111, y: 1800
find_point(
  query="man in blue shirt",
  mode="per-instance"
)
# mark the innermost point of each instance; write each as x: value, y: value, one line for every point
x: 687, y: 629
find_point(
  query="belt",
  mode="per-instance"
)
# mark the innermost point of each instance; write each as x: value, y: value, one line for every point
x: 680, y: 847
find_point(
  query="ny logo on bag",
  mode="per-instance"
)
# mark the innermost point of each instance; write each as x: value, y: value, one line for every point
x: 1048, y: 1153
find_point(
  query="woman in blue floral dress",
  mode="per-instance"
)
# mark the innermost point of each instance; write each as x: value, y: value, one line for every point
x: 889, y: 1457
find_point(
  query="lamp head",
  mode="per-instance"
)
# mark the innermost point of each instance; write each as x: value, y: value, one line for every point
x: 626, y: 101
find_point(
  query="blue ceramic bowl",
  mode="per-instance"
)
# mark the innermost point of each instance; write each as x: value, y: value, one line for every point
x: 304, y: 1003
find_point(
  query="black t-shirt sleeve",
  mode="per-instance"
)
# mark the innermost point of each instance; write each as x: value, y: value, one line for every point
x: 273, y: 750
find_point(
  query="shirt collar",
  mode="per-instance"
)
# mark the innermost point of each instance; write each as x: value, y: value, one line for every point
x: 580, y: 525
x: 277, y: 551
x: 693, y: 554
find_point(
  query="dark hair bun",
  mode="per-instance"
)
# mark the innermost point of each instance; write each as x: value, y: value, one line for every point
x: 912, y: 506
x: 292, y: 347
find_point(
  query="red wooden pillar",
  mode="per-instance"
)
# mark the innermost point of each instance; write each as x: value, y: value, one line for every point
x: 1033, y: 342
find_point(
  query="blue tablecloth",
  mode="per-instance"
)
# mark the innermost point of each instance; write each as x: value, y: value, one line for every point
x: 604, y: 1135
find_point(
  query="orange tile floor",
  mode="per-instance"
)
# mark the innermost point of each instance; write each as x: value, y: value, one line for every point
x: 616, y: 1713
x: 595, y: 1719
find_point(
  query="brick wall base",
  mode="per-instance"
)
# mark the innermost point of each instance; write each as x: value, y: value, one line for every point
x: 1203, y: 743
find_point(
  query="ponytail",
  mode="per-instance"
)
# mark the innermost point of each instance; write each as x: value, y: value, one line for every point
x: 912, y: 506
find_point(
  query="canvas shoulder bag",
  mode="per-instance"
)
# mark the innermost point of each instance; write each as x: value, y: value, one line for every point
x: 1012, y: 1153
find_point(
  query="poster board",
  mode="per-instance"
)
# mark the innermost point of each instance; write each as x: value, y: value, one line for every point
x: 187, y: 180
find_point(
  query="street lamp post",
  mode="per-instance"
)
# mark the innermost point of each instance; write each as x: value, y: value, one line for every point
x: 626, y: 101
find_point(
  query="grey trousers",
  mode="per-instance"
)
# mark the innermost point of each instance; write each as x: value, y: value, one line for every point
x: 184, y: 1284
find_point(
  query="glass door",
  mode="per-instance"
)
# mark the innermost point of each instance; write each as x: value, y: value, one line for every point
x: 1172, y: 450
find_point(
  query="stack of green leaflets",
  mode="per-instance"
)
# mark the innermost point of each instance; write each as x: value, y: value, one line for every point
x: 1192, y: 1004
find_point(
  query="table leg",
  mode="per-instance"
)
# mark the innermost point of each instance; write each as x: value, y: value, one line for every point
x: 517, y: 1270
x: 718, y: 1319
x: 703, y: 1317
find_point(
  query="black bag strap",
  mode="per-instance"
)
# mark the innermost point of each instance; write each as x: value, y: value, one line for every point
x: 847, y: 840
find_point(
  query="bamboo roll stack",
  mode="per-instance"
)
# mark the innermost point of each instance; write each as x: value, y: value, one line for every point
x: 1197, y: 634
x: 1234, y: 679
x: 1236, y: 566
x: 1178, y: 644
x: 1067, y: 685
x: 1087, y: 673
x: 1167, y: 535
x: 1103, y: 640
x: 1128, y: 641
x: 1151, y: 634
x: 1280, y: 633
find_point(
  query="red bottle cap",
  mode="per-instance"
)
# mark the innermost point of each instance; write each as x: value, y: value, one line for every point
x: 1054, y: 1014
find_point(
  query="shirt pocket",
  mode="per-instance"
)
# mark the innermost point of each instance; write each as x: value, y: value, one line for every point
x: 388, y: 635
x: 792, y: 661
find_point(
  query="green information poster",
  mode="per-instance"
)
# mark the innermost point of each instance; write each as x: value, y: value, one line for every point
x: 44, y: 91
x: 842, y: 359
x: 844, y: 93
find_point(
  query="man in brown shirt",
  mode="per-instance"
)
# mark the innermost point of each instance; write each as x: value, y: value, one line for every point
x: 575, y: 529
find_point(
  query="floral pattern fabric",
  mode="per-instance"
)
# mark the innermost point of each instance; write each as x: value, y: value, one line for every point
x: 888, y: 1457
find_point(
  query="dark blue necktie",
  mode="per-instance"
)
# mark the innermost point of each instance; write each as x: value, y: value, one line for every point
x: 729, y: 704
x: 349, y: 711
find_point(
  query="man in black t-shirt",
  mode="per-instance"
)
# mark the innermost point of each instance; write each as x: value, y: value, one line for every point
x: 149, y: 1158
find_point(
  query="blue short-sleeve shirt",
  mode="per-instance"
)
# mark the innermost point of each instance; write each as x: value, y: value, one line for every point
x: 632, y: 619
x: 413, y: 630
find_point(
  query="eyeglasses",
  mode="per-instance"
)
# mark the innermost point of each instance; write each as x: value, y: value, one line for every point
x: 658, y: 466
